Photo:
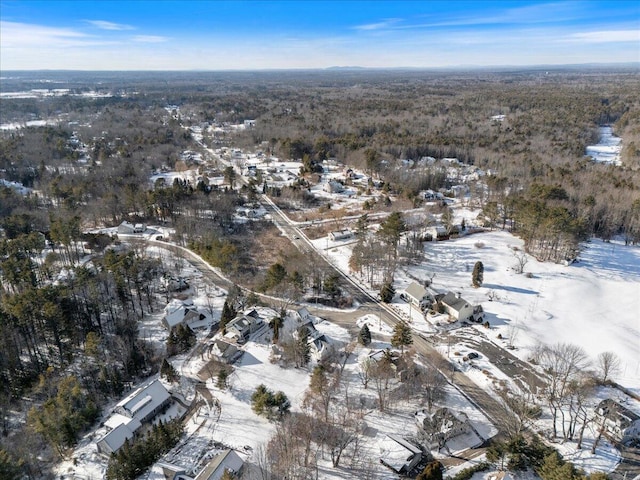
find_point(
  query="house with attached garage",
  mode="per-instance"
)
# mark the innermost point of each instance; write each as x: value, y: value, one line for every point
x: 459, y: 309
x: 241, y: 327
x: 318, y: 343
x: 184, y: 312
x: 619, y: 423
x: 130, y: 414
x: 224, y: 352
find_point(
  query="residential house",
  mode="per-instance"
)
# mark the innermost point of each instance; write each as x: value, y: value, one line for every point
x: 620, y: 424
x: 168, y: 471
x: 224, y: 351
x: 431, y: 196
x: 228, y: 460
x: 127, y: 418
x: 436, y: 428
x: 127, y: 228
x: 172, y: 284
x: 302, y: 315
x: 241, y: 327
x: 340, y: 235
x: 318, y: 343
x: 178, y: 312
x: 439, y: 233
x: 459, y: 309
x: 399, y: 455
x: 418, y: 296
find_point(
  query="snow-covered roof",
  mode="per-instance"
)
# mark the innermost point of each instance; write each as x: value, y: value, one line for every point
x: 116, y: 438
x: 145, y: 400
x: 416, y: 291
x: 397, y: 453
x: 455, y: 302
x: 227, y: 460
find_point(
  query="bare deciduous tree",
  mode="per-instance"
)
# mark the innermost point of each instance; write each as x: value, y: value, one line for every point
x: 608, y: 364
x: 521, y: 260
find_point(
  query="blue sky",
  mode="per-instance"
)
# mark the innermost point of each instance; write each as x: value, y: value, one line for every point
x: 246, y: 35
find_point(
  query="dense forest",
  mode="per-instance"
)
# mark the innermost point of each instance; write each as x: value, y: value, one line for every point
x: 90, y: 166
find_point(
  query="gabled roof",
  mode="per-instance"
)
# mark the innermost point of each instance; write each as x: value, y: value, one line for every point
x: 227, y: 460
x: 397, y: 453
x: 182, y: 314
x: 455, y: 302
x: 116, y: 437
x: 145, y: 399
x: 416, y: 291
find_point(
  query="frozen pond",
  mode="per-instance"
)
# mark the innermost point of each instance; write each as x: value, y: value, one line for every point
x: 607, y: 149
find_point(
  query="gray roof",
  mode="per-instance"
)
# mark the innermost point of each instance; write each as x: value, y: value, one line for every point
x: 116, y: 437
x: 145, y: 399
x: 227, y: 460
x: 455, y: 302
x: 415, y: 290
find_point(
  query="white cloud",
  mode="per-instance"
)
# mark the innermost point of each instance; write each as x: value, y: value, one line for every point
x: 383, y: 25
x: 149, y: 39
x: 606, y: 36
x: 15, y: 35
x: 104, y: 25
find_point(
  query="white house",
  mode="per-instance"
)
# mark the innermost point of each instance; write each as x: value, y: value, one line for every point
x: 620, y: 423
x: 399, y: 455
x: 418, y: 295
x: 228, y: 460
x: 178, y: 312
x: 318, y: 343
x: 340, y: 235
x: 224, y: 351
x: 459, y: 309
x: 241, y: 327
x: 139, y: 407
x: 127, y: 228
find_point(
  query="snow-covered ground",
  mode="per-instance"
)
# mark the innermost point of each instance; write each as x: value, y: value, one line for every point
x: 607, y: 150
x: 593, y: 303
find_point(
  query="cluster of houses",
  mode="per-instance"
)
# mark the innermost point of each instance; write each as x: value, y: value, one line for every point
x: 453, y: 304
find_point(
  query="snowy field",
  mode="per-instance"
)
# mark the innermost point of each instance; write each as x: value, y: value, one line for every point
x: 594, y: 303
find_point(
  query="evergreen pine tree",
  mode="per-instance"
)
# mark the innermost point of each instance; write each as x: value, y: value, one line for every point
x: 477, y: 277
x: 168, y: 371
x: 433, y: 471
x: 221, y: 382
x: 401, y: 336
x: 387, y: 292
x: 364, y: 336
x: 302, y: 348
x: 228, y: 314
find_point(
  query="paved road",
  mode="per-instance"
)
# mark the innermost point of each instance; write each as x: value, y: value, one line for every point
x: 490, y: 406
